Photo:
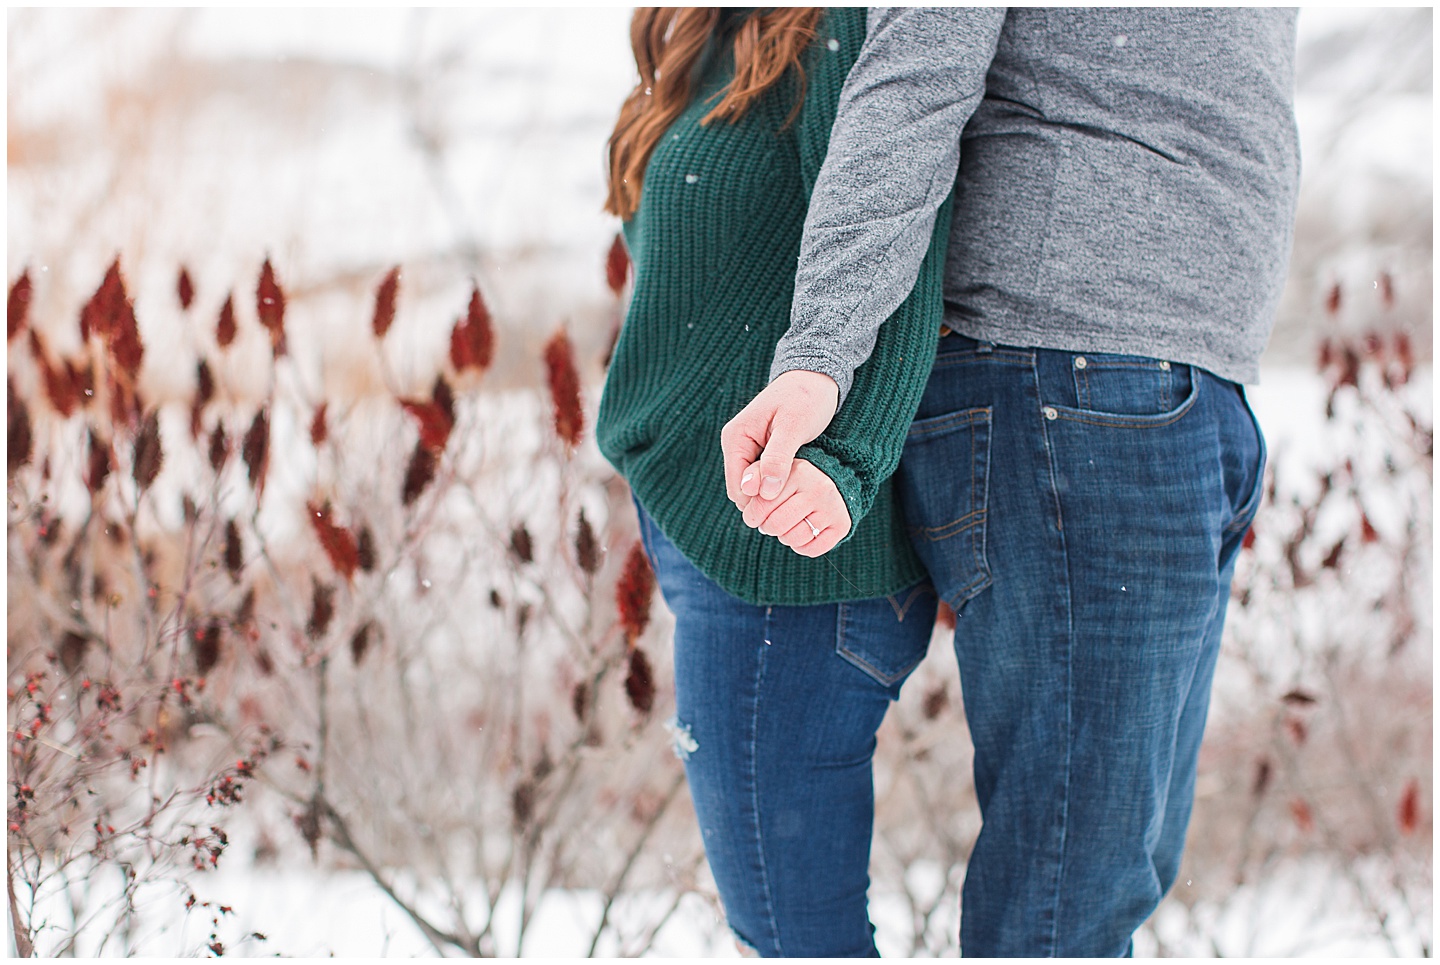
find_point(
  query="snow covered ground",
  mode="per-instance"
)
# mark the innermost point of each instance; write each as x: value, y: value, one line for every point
x: 302, y: 913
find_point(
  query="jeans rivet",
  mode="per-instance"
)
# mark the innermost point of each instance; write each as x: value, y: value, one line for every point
x: 1050, y: 413
x: 1164, y: 366
x: 1080, y: 362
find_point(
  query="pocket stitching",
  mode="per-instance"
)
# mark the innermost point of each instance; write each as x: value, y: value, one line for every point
x: 970, y: 589
x: 980, y: 577
x: 978, y: 540
x: 1159, y: 421
x: 1084, y: 376
x: 859, y: 662
x: 952, y: 420
x: 902, y: 609
x: 928, y: 532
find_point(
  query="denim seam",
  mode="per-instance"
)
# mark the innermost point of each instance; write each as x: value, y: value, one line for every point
x: 647, y: 538
x: 979, y: 583
x: 1243, y: 518
x: 977, y: 539
x: 1246, y: 515
x: 1069, y: 686
x: 646, y: 545
x: 755, y: 795
x: 1092, y: 366
x: 1000, y: 356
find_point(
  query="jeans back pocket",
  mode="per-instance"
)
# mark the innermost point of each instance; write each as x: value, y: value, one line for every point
x: 887, y: 637
x: 943, y: 481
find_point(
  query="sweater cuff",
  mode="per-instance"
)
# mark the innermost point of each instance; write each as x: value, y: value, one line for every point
x: 857, y: 500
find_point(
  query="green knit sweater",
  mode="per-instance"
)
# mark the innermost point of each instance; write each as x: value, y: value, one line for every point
x: 714, y: 244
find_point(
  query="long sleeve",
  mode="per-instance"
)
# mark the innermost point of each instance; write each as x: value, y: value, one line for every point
x: 893, y: 154
x: 861, y: 448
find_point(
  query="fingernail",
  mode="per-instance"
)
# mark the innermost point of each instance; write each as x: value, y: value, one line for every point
x: 749, y: 475
x: 770, y: 487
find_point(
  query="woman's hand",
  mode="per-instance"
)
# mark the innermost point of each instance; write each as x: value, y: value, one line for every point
x: 808, y: 515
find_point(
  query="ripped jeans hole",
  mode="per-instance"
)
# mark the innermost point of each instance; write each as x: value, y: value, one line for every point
x: 681, y: 740
x: 743, y: 946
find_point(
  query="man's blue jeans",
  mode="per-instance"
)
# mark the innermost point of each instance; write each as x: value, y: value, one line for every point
x: 1081, y: 513
x: 776, y: 714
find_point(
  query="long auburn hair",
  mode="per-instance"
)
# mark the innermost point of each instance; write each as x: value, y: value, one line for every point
x: 668, y: 41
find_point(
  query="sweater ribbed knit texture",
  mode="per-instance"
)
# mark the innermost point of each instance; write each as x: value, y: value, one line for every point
x: 714, y: 244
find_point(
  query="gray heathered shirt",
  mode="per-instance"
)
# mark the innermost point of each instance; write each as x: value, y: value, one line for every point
x: 1126, y: 183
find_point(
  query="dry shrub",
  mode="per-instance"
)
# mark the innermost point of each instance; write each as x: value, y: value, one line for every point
x: 398, y: 673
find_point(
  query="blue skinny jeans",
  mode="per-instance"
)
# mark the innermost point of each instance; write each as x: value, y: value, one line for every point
x: 776, y: 713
